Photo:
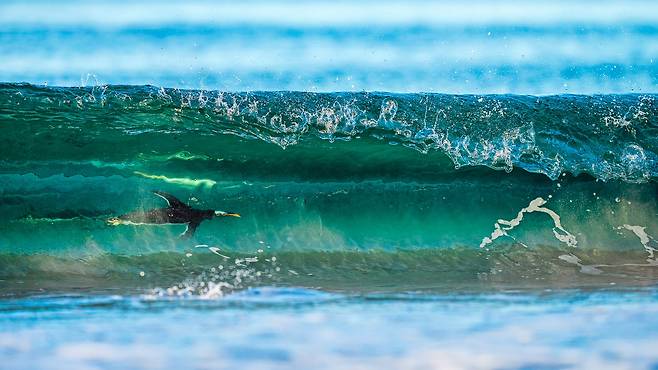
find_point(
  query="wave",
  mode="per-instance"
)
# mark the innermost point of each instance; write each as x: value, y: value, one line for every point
x: 345, y: 191
x: 609, y: 137
x: 66, y: 215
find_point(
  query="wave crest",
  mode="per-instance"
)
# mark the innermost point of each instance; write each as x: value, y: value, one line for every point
x: 607, y: 136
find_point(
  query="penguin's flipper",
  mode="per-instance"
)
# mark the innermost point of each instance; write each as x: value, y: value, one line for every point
x: 171, y: 200
x: 189, y: 231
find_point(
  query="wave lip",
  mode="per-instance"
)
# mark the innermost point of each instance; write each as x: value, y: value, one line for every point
x: 610, y: 137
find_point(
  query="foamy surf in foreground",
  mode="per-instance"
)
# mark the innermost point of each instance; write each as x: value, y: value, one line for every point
x: 298, y: 328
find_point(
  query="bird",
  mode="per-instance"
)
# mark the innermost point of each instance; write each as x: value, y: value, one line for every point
x: 177, y: 212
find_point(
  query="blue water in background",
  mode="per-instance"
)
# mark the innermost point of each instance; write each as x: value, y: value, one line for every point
x: 538, y: 47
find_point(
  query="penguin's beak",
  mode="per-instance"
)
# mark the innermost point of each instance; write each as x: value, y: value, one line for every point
x: 225, y: 214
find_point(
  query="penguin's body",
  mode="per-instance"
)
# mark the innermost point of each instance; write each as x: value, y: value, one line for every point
x: 176, y: 213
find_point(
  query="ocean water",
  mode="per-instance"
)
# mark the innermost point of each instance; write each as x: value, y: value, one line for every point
x: 422, y: 185
x: 509, y: 46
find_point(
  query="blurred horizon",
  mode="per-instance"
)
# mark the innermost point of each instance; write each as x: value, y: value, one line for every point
x: 544, y: 47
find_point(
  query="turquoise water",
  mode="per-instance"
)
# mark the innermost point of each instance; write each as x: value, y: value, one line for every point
x: 423, y: 186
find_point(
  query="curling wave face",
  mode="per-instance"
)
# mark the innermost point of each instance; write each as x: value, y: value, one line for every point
x: 607, y: 136
x: 412, y: 190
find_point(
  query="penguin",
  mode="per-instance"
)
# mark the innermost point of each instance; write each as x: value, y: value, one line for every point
x: 177, y: 212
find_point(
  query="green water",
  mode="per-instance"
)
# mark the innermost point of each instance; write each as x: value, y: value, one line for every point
x: 346, y: 191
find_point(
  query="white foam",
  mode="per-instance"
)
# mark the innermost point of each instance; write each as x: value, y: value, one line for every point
x: 501, y: 227
x: 645, y: 239
x: 179, y: 181
x: 585, y: 269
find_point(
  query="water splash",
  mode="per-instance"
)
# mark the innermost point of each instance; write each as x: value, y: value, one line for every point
x: 607, y: 136
x: 229, y: 275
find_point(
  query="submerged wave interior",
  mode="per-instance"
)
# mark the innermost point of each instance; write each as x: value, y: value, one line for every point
x: 342, y: 191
